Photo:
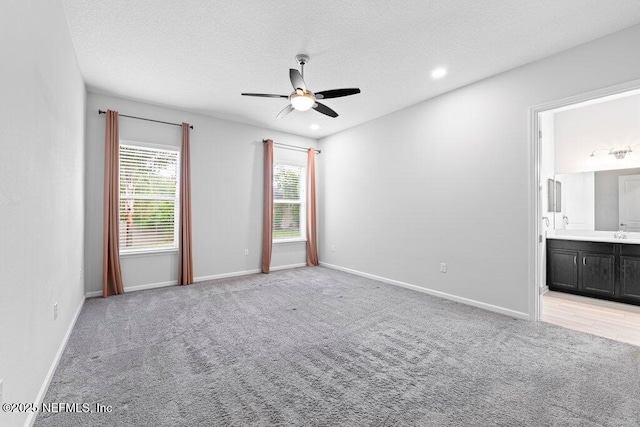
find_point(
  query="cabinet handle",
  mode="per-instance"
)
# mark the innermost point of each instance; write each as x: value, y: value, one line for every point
x: 574, y: 261
x: 584, y: 261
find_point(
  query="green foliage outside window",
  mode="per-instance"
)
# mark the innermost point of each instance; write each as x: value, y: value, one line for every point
x: 286, y: 198
x: 148, y: 187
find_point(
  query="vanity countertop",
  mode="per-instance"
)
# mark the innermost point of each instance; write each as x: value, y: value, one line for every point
x: 594, y: 236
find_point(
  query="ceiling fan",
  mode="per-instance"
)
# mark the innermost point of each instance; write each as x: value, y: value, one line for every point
x: 301, y: 98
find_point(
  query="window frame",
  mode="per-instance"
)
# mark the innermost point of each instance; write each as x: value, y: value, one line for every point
x: 302, y: 203
x: 176, y: 226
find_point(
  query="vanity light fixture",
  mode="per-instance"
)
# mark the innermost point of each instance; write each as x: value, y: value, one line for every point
x: 618, y: 153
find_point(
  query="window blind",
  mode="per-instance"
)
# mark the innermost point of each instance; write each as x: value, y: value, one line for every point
x: 288, y: 202
x: 149, y: 198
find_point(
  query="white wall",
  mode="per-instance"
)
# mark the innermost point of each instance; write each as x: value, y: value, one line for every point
x: 41, y: 194
x: 226, y: 163
x: 610, y: 124
x: 450, y: 179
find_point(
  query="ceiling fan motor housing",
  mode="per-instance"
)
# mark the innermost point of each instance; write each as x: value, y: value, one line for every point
x: 302, y: 59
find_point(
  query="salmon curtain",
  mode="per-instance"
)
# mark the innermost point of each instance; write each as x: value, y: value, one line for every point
x: 185, y: 260
x: 267, y: 210
x: 111, y: 273
x: 312, y: 233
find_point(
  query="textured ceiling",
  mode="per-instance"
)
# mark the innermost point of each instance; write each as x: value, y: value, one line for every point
x: 199, y: 55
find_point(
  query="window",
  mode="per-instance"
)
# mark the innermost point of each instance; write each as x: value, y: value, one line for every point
x: 289, y: 214
x: 149, y: 198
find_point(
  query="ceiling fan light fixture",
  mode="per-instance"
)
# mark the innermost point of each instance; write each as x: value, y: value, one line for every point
x: 302, y: 102
x: 302, y: 99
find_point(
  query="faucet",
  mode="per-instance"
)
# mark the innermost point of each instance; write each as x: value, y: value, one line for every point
x: 619, y: 234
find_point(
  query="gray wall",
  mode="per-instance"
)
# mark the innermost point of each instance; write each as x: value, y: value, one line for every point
x: 606, y: 190
x: 41, y: 195
x: 226, y: 163
x: 450, y: 180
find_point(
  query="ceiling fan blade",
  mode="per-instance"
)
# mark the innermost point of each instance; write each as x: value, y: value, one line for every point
x: 321, y: 108
x: 286, y: 110
x: 336, y: 93
x: 296, y: 79
x: 265, y: 95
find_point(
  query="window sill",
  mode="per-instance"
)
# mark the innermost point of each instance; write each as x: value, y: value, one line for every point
x: 147, y: 252
x: 297, y: 240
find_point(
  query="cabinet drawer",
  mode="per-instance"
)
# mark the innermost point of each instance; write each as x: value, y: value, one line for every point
x: 577, y: 245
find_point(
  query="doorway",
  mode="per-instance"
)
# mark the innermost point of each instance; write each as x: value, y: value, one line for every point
x: 560, y: 198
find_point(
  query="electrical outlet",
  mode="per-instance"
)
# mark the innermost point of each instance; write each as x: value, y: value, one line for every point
x: 333, y: 248
x: 246, y: 252
x: 443, y: 267
x: 55, y: 311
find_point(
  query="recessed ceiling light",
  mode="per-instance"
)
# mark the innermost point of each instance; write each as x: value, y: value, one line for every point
x: 439, y: 73
x: 315, y: 127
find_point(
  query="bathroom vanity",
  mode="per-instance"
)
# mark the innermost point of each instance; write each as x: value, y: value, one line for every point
x: 596, y: 264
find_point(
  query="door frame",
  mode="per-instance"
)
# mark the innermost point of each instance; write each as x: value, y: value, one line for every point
x: 536, y: 187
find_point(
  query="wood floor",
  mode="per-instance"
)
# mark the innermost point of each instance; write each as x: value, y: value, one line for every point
x: 620, y: 322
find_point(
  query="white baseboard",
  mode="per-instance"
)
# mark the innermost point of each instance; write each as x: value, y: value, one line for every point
x: 246, y: 272
x: 31, y: 418
x: 467, y: 301
x: 151, y: 286
x: 225, y: 275
x: 197, y: 279
x: 286, y: 267
x: 135, y: 288
x: 544, y: 289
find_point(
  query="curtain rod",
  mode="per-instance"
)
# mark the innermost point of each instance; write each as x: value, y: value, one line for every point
x: 148, y: 120
x: 291, y: 147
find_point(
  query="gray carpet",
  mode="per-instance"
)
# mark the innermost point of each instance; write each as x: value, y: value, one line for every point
x: 318, y: 347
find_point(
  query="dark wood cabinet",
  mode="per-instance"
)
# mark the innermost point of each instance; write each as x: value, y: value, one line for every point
x: 564, y: 271
x: 596, y: 269
x: 630, y: 273
x: 630, y: 277
x: 597, y: 273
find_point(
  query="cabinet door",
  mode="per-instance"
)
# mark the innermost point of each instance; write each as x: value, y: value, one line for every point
x: 597, y: 274
x: 630, y: 277
x: 563, y: 269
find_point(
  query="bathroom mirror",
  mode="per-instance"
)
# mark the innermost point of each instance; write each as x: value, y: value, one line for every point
x: 590, y: 200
